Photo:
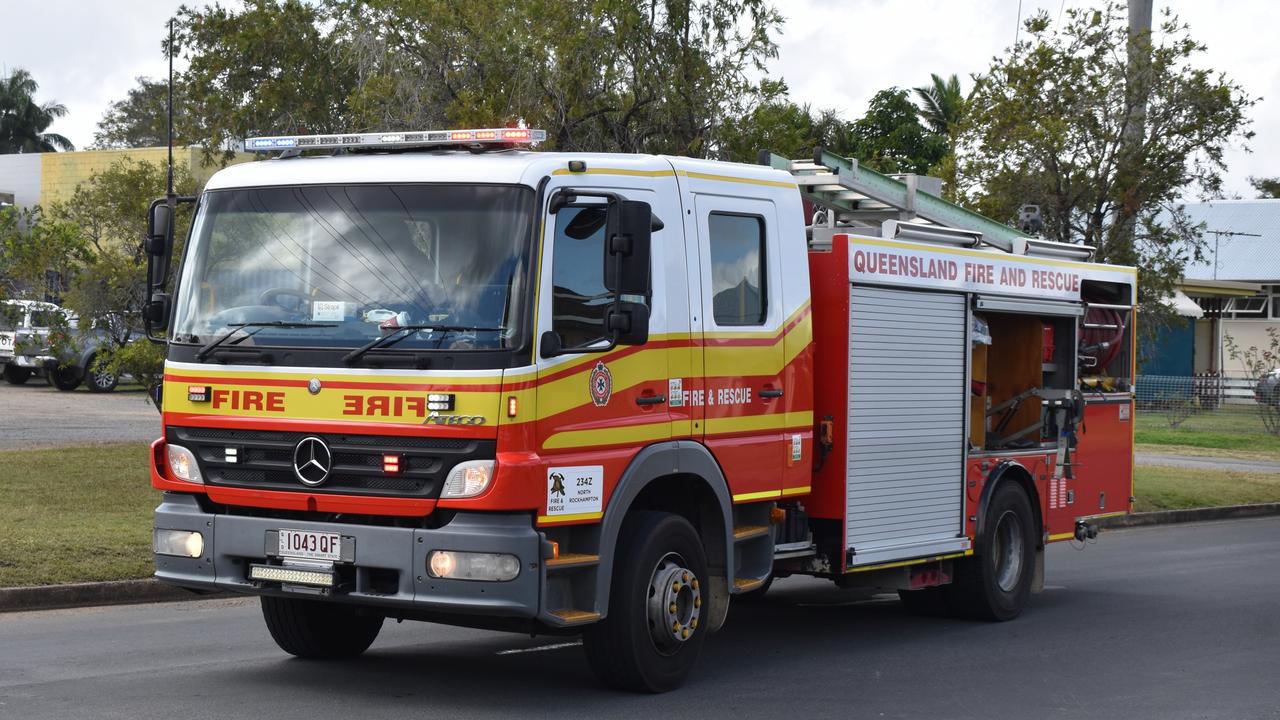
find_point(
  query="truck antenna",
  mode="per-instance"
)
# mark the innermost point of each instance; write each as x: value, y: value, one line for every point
x: 170, y: 129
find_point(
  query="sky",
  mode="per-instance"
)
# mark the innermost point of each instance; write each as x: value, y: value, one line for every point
x: 832, y: 53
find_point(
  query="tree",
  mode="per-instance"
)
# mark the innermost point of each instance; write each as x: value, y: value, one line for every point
x: 606, y: 75
x: 783, y: 127
x: 1046, y: 125
x: 1266, y: 187
x: 38, y: 253
x: 23, y: 122
x: 108, y: 290
x: 890, y: 138
x: 271, y: 68
x: 942, y: 104
x: 141, y: 119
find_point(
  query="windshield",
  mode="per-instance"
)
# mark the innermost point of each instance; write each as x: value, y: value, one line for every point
x: 339, y: 266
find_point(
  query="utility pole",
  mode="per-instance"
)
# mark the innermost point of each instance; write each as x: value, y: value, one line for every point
x: 1137, y: 87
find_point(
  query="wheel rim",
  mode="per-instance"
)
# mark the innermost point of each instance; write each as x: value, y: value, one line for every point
x: 104, y: 379
x: 674, y: 604
x: 1006, y: 548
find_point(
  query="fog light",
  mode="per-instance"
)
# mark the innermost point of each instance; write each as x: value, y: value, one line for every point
x: 468, y: 479
x: 291, y: 575
x: 183, y: 465
x: 180, y: 543
x: 489, y: 567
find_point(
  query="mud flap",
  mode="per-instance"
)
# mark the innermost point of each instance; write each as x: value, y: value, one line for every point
x: 1037, y: 580
x: 718, y: 612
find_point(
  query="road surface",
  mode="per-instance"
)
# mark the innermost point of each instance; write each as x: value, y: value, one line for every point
x: 1166, y: 622
x: 1197, y: 462
x: 37, y: 415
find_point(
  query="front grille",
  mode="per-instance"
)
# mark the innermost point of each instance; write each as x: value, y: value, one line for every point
x: 264, y: 460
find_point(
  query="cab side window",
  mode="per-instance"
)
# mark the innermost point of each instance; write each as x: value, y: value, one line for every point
x: 738, y: 290
x: 579, y: 298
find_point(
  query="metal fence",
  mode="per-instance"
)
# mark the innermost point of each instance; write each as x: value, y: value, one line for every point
x: 1210, y: 402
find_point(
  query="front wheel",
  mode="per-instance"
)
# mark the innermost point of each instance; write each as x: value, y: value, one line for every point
x: 652, y: 635
x: 995, y: 583
x: 318, y: 630
x: 15, y: 375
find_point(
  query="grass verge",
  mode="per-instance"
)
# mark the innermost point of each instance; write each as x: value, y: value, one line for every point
x: 1221, y: 431
x: 1170, y: 488
x: 75, y: 514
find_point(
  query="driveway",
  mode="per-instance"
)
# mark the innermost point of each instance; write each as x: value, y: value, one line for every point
x: 36, y: 415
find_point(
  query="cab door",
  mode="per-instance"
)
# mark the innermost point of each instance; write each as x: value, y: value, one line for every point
x: 741, y: 327
x: 597, y: 408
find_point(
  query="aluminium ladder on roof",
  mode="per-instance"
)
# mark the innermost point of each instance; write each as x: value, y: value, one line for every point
x: 851, y: 190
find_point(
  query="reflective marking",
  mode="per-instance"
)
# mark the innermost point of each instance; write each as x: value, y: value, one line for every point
x: 540, y: 648
x: 757, y: 495
x: 570, y: 518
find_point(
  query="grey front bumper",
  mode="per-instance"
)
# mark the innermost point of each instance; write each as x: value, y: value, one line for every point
x: 233, y: 542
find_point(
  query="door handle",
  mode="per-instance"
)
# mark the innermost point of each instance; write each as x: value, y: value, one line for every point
x: 651, y: 399
x: 771, y: 393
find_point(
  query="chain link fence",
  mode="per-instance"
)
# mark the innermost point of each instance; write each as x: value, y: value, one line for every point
x: 1210, y: 403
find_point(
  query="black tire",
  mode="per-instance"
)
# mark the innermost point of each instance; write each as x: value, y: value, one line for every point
x: 99, y: 380
x: 628, y: 651
x: 318, y: 630
x: 15, y: 375
x: 995, y: 583
x: 65, y: 378
x: 927, y: 602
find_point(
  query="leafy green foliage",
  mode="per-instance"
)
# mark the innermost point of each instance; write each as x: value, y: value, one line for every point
x: 23, y: 122
x: 603, y: 75
x: 942, y: 104
x: 1058, y: 122
x: 141, y: 119
x: 1266, y: 187
x: 37, y: 253
x: 890, y: 138
x: 270, y: 68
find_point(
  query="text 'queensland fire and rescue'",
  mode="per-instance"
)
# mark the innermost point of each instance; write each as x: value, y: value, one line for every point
x: 969, y: 272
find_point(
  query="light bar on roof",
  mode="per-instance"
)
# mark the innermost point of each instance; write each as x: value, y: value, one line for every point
x: 424, y: 138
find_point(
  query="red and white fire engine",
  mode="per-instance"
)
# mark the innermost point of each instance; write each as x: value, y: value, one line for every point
x: 436, y: 376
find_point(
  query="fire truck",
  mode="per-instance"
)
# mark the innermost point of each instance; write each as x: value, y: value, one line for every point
x: 440, y: 376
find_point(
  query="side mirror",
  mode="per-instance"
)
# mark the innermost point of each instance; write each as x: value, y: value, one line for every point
x: 156, y: 311
x: 629, y: 233
x: 551, y: 344
x: 630, y: 320
x: 159, y: 227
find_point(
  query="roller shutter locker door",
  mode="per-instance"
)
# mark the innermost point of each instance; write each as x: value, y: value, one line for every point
x: 907, y: 395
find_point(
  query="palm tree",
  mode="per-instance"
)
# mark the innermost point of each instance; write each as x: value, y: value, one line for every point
x: 23, y: 122
x: 942, y: 104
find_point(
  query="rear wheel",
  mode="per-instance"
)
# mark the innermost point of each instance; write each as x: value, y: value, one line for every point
x: 652, y: 635
x: 318, y: 630
x: 15, y: 375
x: 65, y: 378
x: 99, y: 378
x: 995, y: 583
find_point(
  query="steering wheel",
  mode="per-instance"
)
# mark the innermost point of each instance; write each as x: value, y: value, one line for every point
x: 271, y: 296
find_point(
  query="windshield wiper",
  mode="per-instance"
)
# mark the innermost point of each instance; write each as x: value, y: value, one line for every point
x: 258, y: 327
x: 404, y: 331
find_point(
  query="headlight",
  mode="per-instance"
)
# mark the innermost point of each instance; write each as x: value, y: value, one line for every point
x: 468, y: 479
x: 182, y: 543
x: 183, y: 465
x: 490, y: 567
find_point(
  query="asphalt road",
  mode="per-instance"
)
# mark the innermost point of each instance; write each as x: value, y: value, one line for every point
x: 37, y: 415
x: 1196, y: 462
x: 1166, y: 622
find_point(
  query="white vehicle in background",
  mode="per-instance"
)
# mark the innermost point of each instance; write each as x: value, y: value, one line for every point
x: 25, y: 324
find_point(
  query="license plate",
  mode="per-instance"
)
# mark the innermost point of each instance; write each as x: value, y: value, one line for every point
x: 6, y: 343
x: 310, y: 545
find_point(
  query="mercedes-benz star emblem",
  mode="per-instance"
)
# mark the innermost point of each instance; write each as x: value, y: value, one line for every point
x: 313, y: 386
x: 312, y: 461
